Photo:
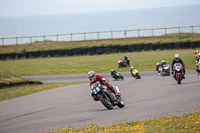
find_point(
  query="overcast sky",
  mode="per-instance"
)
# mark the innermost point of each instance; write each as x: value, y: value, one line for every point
x: 41, y: 7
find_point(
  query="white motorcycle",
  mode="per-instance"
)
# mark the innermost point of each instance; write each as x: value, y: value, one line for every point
x: 198, y: 67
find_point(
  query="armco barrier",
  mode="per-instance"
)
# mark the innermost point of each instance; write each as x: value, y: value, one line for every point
x: 101, y: 50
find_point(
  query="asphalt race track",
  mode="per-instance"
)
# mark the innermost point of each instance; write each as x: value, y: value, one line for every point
x: 152, y: 96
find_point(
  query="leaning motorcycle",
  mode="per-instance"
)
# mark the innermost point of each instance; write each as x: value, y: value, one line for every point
x: 135, y: 74
x: 178, y: 72
x: 107, y: 97
x: 117, y: 75
x: 198, y: 67
x: 122, y: 63
x: 165, y: 70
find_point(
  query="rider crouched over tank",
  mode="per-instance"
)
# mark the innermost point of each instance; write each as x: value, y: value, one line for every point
x: 165, y: 68
x: 116, y: 74
x: 177, y: 60
x: 99, y: 78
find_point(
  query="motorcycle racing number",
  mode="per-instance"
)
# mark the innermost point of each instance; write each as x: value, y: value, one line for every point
x: 96, y: 90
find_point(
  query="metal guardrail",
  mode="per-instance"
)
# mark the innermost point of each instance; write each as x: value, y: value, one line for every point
x: 100, y: 35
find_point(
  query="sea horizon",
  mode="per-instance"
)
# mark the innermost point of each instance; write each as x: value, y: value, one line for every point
x: 40, y: 25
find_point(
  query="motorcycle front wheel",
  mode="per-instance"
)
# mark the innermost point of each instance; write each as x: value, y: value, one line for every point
x: 120, y: 103
x: 179, y: 79
x: 105, y: 100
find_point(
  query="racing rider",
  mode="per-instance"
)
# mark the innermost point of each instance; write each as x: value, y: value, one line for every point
x: 178, y: 60
x: 112, y: 72
x: 94, y: 78
x: 196, y: 53
x: 132, y: 69
x: 163, y: 63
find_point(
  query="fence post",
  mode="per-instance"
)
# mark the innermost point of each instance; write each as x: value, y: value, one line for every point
x: 57, y: 38
x: 98, y: 35
x: 125, y: 34
x: 71, y: 36
x: 84, y: 36
x: 16, y: 41
x: 30, y: 39
x: 138, y: 32
x: 178, y: 29
x: 44, y: 38
x: 165, y: 31
x: 192, y: 29
x: 3, y: 41
x: 152, y: 32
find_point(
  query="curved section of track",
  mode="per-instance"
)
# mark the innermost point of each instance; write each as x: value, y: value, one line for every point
x: 152, y: 96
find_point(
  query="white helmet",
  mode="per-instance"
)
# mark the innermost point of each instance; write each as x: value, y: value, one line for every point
x: 91, y: 75
x: 132, y: 67
x: 176, y: 57
x: 162, y: 61
x: 157, y: 64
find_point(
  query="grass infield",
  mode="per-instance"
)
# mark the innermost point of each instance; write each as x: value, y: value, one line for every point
x: 143, y: 61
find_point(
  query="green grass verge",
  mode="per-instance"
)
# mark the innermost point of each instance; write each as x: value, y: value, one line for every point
x: 51, y: 45
x: 9, y: 79
x: 189, y: 123
x: 143, y: 61
x: 17, y: 91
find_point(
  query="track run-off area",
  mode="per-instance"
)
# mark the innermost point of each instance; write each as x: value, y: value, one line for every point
x: 152, y: 96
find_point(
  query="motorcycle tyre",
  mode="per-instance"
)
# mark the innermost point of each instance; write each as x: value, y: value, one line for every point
x: 139, y: 77
x: 121, y: 103
x: 178, y: 79
x: 106, y: 104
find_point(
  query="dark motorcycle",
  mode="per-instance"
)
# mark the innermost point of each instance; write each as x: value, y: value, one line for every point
x: 178, y: 72
x: 165, y: 70
x: 117, y: 75
x: 107, y: 97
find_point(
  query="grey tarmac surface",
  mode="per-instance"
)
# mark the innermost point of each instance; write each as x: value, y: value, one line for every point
x: 152, y: 96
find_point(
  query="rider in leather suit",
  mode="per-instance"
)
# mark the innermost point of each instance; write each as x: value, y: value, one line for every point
x: 94, y: 78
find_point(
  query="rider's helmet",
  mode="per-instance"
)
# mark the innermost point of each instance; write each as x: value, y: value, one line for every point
x: 162, y: 61
x: 157, y: 64
x: 91, y: 75
x: 111, y: 70
x: 132, y: 67
x: 126, y: 57
x: 176, y: 57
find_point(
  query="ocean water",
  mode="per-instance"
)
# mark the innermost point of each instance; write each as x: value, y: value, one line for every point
x: 97, y: 22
